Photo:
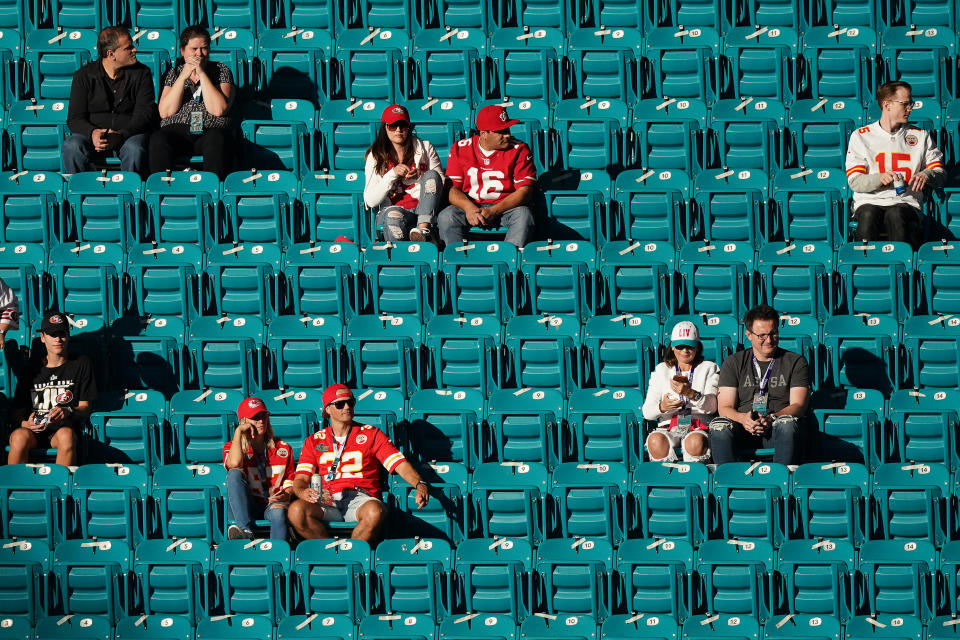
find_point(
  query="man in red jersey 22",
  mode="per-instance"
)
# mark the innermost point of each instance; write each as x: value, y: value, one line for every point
x: 494, y: 182
x: 348, y: 456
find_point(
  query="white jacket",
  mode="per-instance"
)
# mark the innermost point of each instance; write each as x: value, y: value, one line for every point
x: 9, y: 308
x: 377, y: 187
x: 706, y: 375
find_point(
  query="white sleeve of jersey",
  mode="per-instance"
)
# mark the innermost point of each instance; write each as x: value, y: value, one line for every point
x: 9, y: 308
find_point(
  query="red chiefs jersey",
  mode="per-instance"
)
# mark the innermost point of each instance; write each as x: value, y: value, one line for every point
x: 488, y: 179
x: 366, y: 449
x: 279, y: 467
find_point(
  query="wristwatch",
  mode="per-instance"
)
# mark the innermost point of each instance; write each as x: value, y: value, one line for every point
x: 424, y: 483
x: 697, y: 396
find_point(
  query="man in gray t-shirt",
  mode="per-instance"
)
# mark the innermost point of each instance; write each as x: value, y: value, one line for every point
x: 762, y: 394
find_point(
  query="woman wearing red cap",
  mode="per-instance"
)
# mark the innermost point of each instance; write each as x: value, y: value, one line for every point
x: 403, y: 178
x: 260, y: 470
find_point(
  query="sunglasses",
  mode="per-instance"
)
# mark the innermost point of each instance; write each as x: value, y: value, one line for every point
x: 403, y: 124
x: 340, y: 404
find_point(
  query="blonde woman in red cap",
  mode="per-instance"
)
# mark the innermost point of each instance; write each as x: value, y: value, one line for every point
x: 403, y: 178
x: 259, y: 473
x: 348, y: 456
x: 493, y: 182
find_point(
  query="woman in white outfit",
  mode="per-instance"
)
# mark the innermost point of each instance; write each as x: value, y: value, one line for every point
x: 682, y: 398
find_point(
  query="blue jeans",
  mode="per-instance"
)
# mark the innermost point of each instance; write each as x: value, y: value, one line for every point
x: 728, y: 439
x: 453, y: 225
x: 244, y: 509
x: 78, y: 151
x: 396, y: 222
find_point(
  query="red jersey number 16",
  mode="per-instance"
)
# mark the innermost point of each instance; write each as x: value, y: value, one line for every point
x: 489, y: 186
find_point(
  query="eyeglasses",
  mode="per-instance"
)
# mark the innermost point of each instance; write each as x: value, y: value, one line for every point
x: 907, y: 104
x: 393, y: 126
x: 340, y: 404
x: 763, y: 337
x: 685, y: 347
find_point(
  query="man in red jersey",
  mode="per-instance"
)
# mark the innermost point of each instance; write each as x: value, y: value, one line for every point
x: 494, y: 181
x: 349, y: 456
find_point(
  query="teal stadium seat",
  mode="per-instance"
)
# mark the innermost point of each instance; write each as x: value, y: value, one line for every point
x: 544, y: 352
x: 147, y: 353
x: 110, y: 502
x: 591, y: 134
x: 157, y: 627
x: 250, y: 579
x: 401, y: 279
x: 314, y: 626
x: 12, y: 16
x: 495, y: 576
x: 21, y: 268
x: 319, y: 280
x: 24, y: 580
x: 242, y: 280
x: 751, y: 503
x: 795, y: 278
x: 332, y: 579
x: 181, y: 207
x: 657, y: 577
x: 909, y: 503
x: 92, y: 578
x: 465, y: 352
x: 165, y: 281
x: 294, y: 415
x: 152, y: 14
x: 86, y: 282
x: 509, y: 499
x: 948, y: 602
x: 236, y: 13
x: 810, y: 208
x: 896, y: 578
x: 721, y: 625
x: 444, y: 517
x: 576, y: 206
x: 670, y: 135
x: 844, y: 13
x: 559, y: 278
x: 932, y: 356
x: 157, y: 49
x: 696, y: 13
x: 444, y: 425
x: 333, y: 206
x: 468, y: 627
x: 458, y: 14
x: 524, y: 426
x: 849, y: 424
x: 747, y: 135
x: 200, y: 427
x: 736, y: 577
x: 34, y: 501
x: 762, y: 66
x: 875, y: 278
x: 604, y: 64
x: 304, y: 352
x: 85, y: 627
x: 830, y: 502
x: 372, y: 64
x: 672, y: 501
x: 348, y: 127
x: 414, y: 576
x: 840, y: 64
x: 51, y: 59
x: 448, y: 65
x: 637, y: 278
x: 730, y: 205
x: 381, y: 408
x: 397, y: 627
x: 236, y: 48
x: 817, y: 137
x: 591, y: 501
x: 480, y: 278
x: 526, y: 65
x: 862, y: 352
x: 316, y: 14
x: 247, y: 627
x: 604, y: 425
x: 172, y: 578
x: 575, y: 577
x: 768, y: 13
x: 102, y: 207
x: 684, y: 66
x: 535, y: 117
x: 37, y: 129
x: 226, y: 355
x: 628, y: 625
x: 817, y: 577
x: 620, y: 351
x: 569, y: 628
x: 282, y: 141
x: 258, y: 208
x: 619, y: 13
x: 937, y: 267
x: 384, y: 352
x: 70, y: 14
x: 716, y: 277
x: 920, y: 60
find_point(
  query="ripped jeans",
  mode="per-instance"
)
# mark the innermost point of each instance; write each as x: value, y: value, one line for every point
x: 729, y: 440
x: 396, y: 222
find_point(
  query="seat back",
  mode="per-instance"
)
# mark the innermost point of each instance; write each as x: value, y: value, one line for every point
x: 52, y: 56
x: 621, y: 351
x: 637, y: 278
x: 37, y: 129
x: 591, y: 134
x: 875, y: 277
x: 862, y: 352
x: 304, y: 352
x: 509, y: 499
x: 559, y: 278
x: 103, y: 207
x: 465, y: 352
x: 670, y: 135
x: 605, y: 66
x: 172, y: 577
x: 251, y: 578
x: 730, y: 206
x: 591, y: 501
x: 684, y: 67
x: 24, y: 579
x: 931, y: 352
x: 384, y: 352
x: 830, y: 502
x: 188, y: 501
x: 496, y: 576
x: 717, y: 278
x: 332, y: 580
x: 657, y: 577
x: 226, y: 355
x: 672, y: 501
x: 909, y: 502
x: 604, y: 424
x: 526, y: 64
x: 110, y: 502
x: 444, y: 516
x: 480, y: 278
x: 525, y: 426
x: 817, y: 577
x: 752, y: 505
x: 575, y: 578
x: 200, y: 424
x: 33, y: 502
x: 93, y: 577
x: 294, y: 62
x: 390, y: 270
x: 333, y: 205
x: 736, y: 577
x: 544, y: 351
x: 747, y: 135
x: 414, y: 576
x: 762, y: 67
x: 448, y: 68
x: 896, y: 577
x: 444, y: 426
x: 810, y: 208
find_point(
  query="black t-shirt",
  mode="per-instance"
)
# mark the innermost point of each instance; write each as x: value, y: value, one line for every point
x: 789, y: 370
x: 41, y: 388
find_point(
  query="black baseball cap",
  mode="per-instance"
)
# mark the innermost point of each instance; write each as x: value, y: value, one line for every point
x: 55, y: 322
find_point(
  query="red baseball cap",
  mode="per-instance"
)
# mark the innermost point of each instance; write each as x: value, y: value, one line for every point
x: 493, y: 117
x: 395, y: 113
x: 336, y: 392
x: 251, y: 407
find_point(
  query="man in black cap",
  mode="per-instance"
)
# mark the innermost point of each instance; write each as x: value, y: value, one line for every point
x: 53, y: 397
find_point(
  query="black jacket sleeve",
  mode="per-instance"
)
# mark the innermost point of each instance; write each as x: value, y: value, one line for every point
x: 144, y: 108
x: 78, y: 111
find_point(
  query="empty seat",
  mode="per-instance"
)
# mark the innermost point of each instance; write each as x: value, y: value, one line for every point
x: 896, y: 577
x: 751, y: 499
x: 102, y: 207
x: 166, y: 280
x: 189, y: 501
x: 24, y: 580
x: 543, y: 352
x: 333, y: 204
x: 736, y: 576
x: 671, y: 135
x: 747, y: 135
x: 294, y: 62
x: 249, y: 578
x: 730, y: 205
x: 332, y: 580
x: 604, y: 424
x: 86, y: 281
x: 591, y: 501
x: 465, y: 352
x: 840, y: 64
x: 92, y: 578
x: 576, y: 206
x: 910, y: 501
x: 620, y: 351
x: 716, y: 278
x: 817, y: 137
x: 181, y: 207
x: 348, y: 128
x: 444, y: 426
x: 33, y: 502
x: 37, y: 130
x: 816, y: 577
x: 924, y: 426
x: 200, y: 426
x: 672, y: 501
x: 414, y: 576
x: 173, y: 578
x: 937, y: 267
x: 591, y: 133
x: 523, y: 426
x: 759, y: 64
x: 242, y: 281
x: 496, y: 576
x: 444, y: 516
x: 21, y: 268
x: 657, y: 577
x: 111, y: 502
x: 575, y: 576
x: 810, y: 208
x: 849, y: 425
x: 384, y: 352
x: 371, y: 65
x: 448, y: 66
x: 796, y: 278
x: 637, y: 277
x: 52, y: 57
x: 401, y: 279
x: 683, y: 61
x: 258, y: 207
x: 604, y: 66
x: 932, y: 355
x: 862, y: 351
x: 510, y: 499
x: 480, y: 278
x: 874, y: 278
x: 226, y: 355
x: 304, y: 352
x: 831, y: 502
x: 283, y: 141
x: 558, y: 278
x: 147, y: 353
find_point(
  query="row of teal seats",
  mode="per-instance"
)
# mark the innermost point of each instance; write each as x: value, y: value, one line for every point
x: 769, y: 67
x: 486, y: 15
x: 599, y: 501
x: 562, y: 625
x: 426, y: 576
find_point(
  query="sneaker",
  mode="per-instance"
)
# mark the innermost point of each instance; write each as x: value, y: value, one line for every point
x: 236, y: 533
x: 420, y: 235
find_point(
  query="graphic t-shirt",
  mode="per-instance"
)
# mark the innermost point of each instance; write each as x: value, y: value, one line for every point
x: 789, y: 370
x: 41, y: 388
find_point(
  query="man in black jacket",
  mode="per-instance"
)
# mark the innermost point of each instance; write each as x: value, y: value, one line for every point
x: 112, y: 108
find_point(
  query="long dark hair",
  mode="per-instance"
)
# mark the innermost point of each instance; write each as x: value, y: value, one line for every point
x: 383, y: 152
x: 670, y: 358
